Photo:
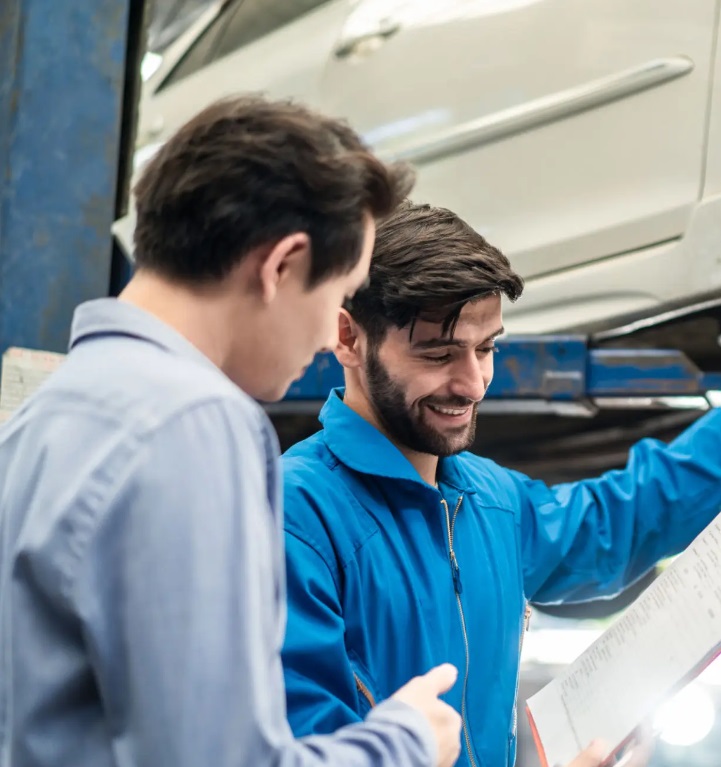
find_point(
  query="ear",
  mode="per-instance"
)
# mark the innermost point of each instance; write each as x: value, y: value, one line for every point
x: 348, y: 351
x: 288, y: 258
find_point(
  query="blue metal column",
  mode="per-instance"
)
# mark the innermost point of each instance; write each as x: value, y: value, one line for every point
x: 62, y: 72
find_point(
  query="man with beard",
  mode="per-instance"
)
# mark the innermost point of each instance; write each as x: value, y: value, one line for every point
x: 403, y: 550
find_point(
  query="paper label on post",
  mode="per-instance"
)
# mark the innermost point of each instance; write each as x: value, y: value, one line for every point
x: 23, y: 371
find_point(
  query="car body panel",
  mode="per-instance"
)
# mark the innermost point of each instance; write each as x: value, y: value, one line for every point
x: 289, y: 62
x: 582, y: 138
x: 582, y: 186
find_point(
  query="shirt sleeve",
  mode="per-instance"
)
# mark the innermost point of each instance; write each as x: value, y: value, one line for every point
x: 179, y: 603
x: 589, y: 539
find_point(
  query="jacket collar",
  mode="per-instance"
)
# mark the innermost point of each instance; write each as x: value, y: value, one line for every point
x: 360, y: 446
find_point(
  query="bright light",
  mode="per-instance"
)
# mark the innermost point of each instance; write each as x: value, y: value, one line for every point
x: 431, y: 118
x: 557, y: 646
x: 714, y: 397
x: 144, y: 154
x: 687, y: 718
x: 711, y: 675
x: 370, y: 14
x: 149, y: 65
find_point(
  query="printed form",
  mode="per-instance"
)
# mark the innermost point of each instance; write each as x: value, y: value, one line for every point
x: 661, y: 642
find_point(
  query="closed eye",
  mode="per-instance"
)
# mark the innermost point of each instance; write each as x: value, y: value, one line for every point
x: 443, y: 358
x: 440, y: 360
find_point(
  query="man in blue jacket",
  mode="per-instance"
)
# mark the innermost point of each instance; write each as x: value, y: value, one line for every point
x: 403, y: 551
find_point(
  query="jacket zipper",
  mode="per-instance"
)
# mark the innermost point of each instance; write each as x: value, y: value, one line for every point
x: 526, y: 621
x: 458, y: 588
x: 364, y: 691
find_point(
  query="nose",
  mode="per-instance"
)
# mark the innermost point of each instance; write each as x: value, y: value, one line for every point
x: 472, y: 377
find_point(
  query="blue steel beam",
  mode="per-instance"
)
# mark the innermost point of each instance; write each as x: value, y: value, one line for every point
x: 558, y: 369
x: 540, y: 367
x: 647, y: 372
x: 62, y: 68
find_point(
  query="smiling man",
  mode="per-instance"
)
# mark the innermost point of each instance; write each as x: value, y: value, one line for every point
x: 426, y: 417
x: 402, y: 549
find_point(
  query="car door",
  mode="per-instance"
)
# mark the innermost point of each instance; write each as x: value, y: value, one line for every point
x: 272, y: 46
x: 566, y: 131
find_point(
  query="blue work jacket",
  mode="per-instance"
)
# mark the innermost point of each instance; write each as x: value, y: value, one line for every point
x: 389, y: 576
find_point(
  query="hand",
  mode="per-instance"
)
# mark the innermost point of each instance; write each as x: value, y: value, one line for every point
x: 422, y: 694
x: 636, y: 754
x: 639, y: 750
x: 593, y: 756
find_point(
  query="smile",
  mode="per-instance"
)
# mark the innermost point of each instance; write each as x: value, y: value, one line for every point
x: 449, y: 410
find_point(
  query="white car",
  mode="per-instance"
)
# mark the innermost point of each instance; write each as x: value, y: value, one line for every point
x: 583, y: 137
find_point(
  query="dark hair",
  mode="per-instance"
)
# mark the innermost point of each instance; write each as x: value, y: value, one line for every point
x: 428, y: 264
x: 247, y: 171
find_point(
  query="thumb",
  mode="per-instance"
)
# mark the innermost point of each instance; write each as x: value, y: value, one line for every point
x: 441, y: 678
x: 592, y: 756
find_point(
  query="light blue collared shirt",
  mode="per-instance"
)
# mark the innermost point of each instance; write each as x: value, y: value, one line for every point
x: 142, y: 590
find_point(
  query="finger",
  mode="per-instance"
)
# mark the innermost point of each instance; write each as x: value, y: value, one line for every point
x: 441, y: 678
x: 593, y: 755
x: 642, y: 749
x: 639, y: 749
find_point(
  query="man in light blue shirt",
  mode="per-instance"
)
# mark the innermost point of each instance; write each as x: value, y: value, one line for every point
x: 142, y: 594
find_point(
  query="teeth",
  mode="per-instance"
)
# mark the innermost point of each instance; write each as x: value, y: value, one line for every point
x: 448, y: 411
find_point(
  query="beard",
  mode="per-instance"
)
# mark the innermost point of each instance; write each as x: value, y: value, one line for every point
x: 387, y: 397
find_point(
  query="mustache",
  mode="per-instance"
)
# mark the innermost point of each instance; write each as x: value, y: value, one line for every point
x: 453, y: 402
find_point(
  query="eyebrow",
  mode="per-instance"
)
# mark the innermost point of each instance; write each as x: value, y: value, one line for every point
x: 439, y: 343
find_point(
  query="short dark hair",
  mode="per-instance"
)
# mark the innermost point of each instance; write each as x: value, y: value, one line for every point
x: 428, y: 264
x: 247, y: 171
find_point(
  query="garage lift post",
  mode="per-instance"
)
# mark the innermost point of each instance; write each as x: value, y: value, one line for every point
x: 64, y: 117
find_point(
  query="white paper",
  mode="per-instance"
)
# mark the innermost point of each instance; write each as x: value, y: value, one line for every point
x: 667, y: 636
x: 23, y: 371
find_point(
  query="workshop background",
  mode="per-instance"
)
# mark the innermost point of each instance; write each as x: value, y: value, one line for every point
x: 583, y: 138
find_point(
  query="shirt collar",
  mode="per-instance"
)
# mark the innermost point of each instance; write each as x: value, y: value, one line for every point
x: 362, y: 447
x: 112, y: 317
